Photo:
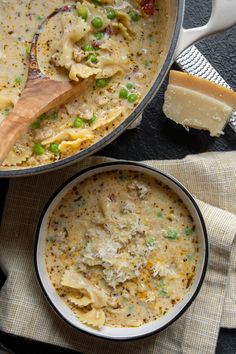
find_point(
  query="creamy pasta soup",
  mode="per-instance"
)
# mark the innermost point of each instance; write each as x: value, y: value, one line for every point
x: 117, y: 43
x: 121, y: 249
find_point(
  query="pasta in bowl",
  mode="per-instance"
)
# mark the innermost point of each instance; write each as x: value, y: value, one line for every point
x: 121, y: 250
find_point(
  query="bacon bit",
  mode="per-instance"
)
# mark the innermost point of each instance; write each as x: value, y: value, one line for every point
x: 109, y: 30
x: 96, y: 44
x: 65, y: 8
x: 136, y: 69
x: 148, y: 6
x: 112, y: 197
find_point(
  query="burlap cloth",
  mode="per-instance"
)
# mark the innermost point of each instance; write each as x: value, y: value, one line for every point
x: 24, y: 311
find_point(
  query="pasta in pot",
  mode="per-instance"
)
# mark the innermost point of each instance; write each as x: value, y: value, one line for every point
x: 114, y: 42
x: 121, y: 249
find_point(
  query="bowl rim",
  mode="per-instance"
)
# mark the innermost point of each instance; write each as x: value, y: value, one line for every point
x: 204, y: 234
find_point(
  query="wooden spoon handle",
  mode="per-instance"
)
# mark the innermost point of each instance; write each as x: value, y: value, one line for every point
x: 39, y: 96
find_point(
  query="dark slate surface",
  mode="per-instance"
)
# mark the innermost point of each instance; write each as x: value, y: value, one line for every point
x: 159, y: 138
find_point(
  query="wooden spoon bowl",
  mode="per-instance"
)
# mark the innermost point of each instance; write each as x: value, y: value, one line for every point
x: 39, y: 96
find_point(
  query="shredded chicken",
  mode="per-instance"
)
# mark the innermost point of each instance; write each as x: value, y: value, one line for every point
x: 140, y: 188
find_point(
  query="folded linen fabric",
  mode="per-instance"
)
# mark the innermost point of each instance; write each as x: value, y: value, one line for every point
x: 24, y: 311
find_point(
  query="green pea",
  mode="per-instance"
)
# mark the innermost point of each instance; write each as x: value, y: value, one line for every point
x: 123, y: 93
x: 160, y: 214
x: 55, y: 116
x: 54, y: 147
x: 97, y: 22
x: 164, y: 293
x: 40, y: 17
x: 130, y: 86
x: 92, y: 58
x: 78, y: 122
x: 83, y: 12
x: 172, y: 234
x: 87, y: 47
x: 92, y: 120
x: 38, y: 149
x: 132, y: 97
x: 36, y: 124
x: 27, y: 51
x: 135, y: 16
x: 188, y: 231
x: 111, y: 14
x: 99, y: 35
x: 18, y: 80
x: 43, y: 117
x: 101, y: 83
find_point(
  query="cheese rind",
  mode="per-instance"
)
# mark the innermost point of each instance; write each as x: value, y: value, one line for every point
x: 203, y: 86
x: 198, y: 103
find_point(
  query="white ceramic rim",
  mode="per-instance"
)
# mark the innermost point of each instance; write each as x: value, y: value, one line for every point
x: 108, y: 332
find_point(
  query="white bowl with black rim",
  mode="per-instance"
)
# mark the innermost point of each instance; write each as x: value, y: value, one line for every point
x: 123, y: 333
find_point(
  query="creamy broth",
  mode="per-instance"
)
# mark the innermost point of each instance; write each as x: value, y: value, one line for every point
x: 125, y: 55
x: 121, y: 249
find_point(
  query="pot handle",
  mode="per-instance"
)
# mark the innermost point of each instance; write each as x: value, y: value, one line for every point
x: 223, y: 16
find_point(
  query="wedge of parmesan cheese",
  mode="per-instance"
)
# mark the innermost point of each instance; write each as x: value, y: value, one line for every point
x: 198, y: 103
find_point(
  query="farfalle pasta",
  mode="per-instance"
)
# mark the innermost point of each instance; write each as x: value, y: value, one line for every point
x: 87, y: 295
x: 7, y: 99
x: 74, y: 29
x: 69, y: 139
x: 17, y: 155
x: 112, y: 114
x: 121, y: 249
x: 72, y: 279
x: 94, y: 317
x: 113, y: 43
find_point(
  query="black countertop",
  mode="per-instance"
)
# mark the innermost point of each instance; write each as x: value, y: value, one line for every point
x: 159, y: 138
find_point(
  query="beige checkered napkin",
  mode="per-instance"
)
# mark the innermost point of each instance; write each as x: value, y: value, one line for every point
x: 25, y: 312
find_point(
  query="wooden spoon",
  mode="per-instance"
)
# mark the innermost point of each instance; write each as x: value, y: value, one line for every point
x: 39, y: 96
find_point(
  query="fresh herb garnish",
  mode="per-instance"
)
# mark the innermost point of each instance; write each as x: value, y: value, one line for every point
x: 123, y: 178
x: 161, y: 283
x: 151, y: 242
x: 189, y: 256
x: 188, y: 231
x: 171, y: 234
x: 164, y: 293
x: 130, y: 309
x: 92, y: 120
